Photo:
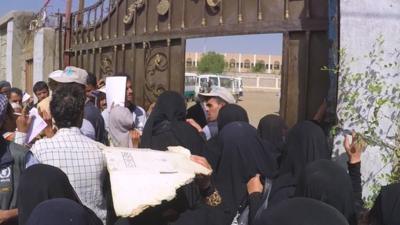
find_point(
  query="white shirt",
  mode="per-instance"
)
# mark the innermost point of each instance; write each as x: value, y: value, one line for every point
x: 81, y: 160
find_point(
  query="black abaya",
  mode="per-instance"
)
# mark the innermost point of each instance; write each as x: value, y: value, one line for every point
x: 326, y: 181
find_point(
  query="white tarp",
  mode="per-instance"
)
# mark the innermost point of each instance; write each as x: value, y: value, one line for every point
x: 141, y: 178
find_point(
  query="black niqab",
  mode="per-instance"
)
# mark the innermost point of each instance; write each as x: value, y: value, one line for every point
x: 271, y: 128
x: 231, y: 113
x: 326, y: 181
x: 302, y: 211
x: 306, y: 143
x: 228, y: 114
x: 167, y: 126
x: 386, y: 209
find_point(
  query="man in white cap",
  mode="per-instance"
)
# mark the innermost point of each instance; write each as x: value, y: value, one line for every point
x: 217, y: 98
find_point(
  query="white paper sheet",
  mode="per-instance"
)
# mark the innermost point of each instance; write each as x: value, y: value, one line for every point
x: 26, y: 97
x: 141, y: 178
x: 37, y: 124
x: 115, y: 89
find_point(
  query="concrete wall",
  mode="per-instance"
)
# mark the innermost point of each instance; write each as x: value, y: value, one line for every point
x: 13, y: 33
x: 361, y: 23
x: 3, y: 53
x: 18, y: 45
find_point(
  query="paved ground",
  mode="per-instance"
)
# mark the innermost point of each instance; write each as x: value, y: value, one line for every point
x: 259, y: 103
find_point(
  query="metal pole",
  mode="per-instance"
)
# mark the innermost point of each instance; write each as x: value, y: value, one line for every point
x: 67, y: 40
x: 80, y: 14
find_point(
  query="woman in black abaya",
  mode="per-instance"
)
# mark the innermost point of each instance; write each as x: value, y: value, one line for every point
x: 386, y: 209
x: 228, y: 114
x: 167, y: 126
x: 306, y: 143
x: 42, y: 182
x: 242, y: 156
x: 273, y: 129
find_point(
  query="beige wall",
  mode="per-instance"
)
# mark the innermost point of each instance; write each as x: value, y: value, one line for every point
x: 237, y: 62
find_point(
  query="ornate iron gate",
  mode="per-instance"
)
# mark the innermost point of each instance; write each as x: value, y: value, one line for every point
x: 146, y: 39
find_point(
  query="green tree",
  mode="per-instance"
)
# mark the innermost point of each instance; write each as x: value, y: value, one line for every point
x: 211, y: 63
x: 258, y: 68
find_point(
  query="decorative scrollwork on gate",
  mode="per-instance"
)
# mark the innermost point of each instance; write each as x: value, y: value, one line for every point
x: 106, y: 67
x: 156, y: 63
x: 132, y: 9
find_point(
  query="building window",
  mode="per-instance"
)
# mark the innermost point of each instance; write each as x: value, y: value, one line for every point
x: 247, y: 64
x: 277, y: 66
x: 232, y: 63
x: 189, y: 62
x: 241, y: 65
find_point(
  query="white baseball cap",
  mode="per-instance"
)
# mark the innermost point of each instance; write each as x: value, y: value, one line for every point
x: 71, y: 74
x: 220, y: 92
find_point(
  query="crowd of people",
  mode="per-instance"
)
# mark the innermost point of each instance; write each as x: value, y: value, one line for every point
x: 272, y: 174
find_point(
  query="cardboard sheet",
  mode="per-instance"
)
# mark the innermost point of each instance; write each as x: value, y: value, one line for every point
x: 141, y: 178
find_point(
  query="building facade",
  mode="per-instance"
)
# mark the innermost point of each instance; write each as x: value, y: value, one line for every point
x: 239, y: 63
x: 28, y: 53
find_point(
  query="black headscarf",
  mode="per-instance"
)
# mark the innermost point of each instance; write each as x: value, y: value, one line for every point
x: 302, y: 211
x: 231, y: 113
x: 167, y: 126
x: 243, y: 155
x: 42, y: 182
x: 386, y: 209
x: 326, y: 181
x: 228, y: 114
x: 306, y: 143
x: 196, y: 112
x: 59, y: 211
x: 271, y: 128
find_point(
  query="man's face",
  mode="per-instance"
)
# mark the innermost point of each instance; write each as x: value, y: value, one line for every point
x: 42, y: 94
x: 89, y: 89
x: 129, y: 91
x: 15, y: 98
x: 212, y: 109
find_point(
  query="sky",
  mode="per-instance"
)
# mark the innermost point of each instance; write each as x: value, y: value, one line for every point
x: 246, y: 44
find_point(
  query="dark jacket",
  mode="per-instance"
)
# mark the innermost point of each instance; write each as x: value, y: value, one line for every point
x: 12, y: 163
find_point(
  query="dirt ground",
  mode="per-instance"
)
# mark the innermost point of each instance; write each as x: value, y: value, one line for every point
x: 259, y: 103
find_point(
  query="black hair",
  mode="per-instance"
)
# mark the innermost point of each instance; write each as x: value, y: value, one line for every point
x: 40, y: 85
x: 67, y: 105
x: 91, y: 80
x: 16, y: 91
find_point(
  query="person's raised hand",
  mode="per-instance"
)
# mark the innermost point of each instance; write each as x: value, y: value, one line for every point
x: 254, y: 185
x: 194, y: 124
x: 135, y: 137
x: 23, y: 122
x: 354, y: 148
x: 48, y: 131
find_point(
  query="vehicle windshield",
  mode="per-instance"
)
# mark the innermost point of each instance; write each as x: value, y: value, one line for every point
x: 226, y: 82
